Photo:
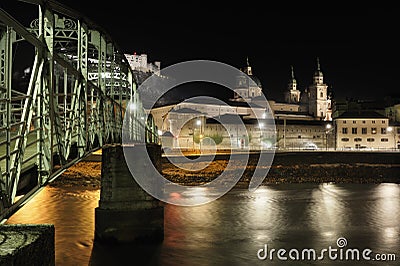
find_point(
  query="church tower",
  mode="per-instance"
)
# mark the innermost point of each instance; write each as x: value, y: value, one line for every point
x: 318, y: 95
x: 292, y: 95
x: 247, y: 85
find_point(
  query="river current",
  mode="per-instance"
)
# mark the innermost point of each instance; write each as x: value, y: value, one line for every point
x: 240, y: 228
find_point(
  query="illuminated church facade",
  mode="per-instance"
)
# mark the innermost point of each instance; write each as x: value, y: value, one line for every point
x: 312, y: 104
x: 300, y: 121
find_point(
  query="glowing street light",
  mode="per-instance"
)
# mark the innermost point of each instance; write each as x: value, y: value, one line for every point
x: 391, y: 130
x: 328, y: 128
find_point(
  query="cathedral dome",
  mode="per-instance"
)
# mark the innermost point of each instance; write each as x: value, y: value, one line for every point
x: 256, y: 80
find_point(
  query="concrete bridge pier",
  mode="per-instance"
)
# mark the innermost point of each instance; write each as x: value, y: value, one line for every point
x: 127, y: 213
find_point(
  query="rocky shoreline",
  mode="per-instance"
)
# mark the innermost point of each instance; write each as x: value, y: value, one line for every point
x: 87, y: 174
x: 298, y: 173
x: 84, y: 174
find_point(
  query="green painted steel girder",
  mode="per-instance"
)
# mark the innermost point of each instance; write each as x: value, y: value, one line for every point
x: 79, y: 85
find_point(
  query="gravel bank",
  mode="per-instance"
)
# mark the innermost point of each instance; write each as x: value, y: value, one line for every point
x: 87, y: 174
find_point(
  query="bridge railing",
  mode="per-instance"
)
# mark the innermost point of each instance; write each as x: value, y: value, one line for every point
x: 73, y: 100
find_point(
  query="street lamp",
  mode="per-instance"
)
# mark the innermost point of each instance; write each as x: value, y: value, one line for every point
x: 199, y: 124
x: 261, y: 126
x: 391, y: 130
x: 328, y: 128
x: 200, y: 139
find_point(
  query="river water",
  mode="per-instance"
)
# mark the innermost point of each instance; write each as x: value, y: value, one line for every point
x: 233, y: 229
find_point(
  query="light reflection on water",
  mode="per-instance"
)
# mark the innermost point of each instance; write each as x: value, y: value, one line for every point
x: 231, y: 229
x: 72, y: 213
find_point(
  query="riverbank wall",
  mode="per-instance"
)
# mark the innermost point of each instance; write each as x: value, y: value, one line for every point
x: 302, y: 167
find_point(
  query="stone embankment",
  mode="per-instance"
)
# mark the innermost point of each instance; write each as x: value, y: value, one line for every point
x: 300, y: 167
x: 290, y: 167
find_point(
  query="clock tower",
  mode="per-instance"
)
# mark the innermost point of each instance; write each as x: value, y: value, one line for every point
x: 292, y: 95
x: 318, y: 95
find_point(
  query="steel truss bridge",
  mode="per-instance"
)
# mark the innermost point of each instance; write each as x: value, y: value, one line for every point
x: 78, y: 88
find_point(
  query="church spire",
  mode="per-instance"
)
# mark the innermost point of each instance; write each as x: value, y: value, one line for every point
x: 318, y: 76
x: 292, y: 81
x: 292, y: 72
x: 292, y: 95
x: 247, y: 69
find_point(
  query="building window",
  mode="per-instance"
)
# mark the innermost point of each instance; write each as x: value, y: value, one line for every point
x: 353, y: 130
x: 344, y: 130
x: 357, y: 139
x: 383, y: 121
x: 370, y: 139
x: 398, y: 130
x: 344, y: 122
x: 354, y: 121
x: 373, y: 130
x: 345, y: 139
x: 384, y: 139
x: 373, y: 121
x: 364, y: 130
x: 299, y: 136
x: 383, y: 130
x: 363, y: 121
x: 321, y: 95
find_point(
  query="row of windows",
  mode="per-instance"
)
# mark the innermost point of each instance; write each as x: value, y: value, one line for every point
x: 364, y: 130
x: 300, y: 130
x: 368, y: 139
x: 363, y: 121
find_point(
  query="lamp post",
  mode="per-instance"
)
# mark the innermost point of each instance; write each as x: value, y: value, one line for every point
x: 391, y: 130
x: 284, y: 133
x: 260, y: 126
x: 199, y: 124
x: 328, y: 129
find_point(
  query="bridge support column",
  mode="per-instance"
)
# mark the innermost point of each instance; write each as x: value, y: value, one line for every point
x: 126, y: 212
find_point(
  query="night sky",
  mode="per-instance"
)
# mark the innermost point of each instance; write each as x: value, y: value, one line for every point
x: 358, y: 45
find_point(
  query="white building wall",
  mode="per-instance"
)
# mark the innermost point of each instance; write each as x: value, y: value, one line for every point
x: 139, y: 63
x: 361, y: 133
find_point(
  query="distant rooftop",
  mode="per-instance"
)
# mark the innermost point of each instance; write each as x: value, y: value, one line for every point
x: 301, y: 122
x: 237, y: 119
x: 214, y: 101
x: 361, y: 114
x: 186, y: 111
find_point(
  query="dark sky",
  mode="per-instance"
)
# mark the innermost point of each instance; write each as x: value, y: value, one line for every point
x: 358, y: 45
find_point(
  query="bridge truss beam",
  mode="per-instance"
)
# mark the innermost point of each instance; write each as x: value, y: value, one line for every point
x: 79, y: 86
